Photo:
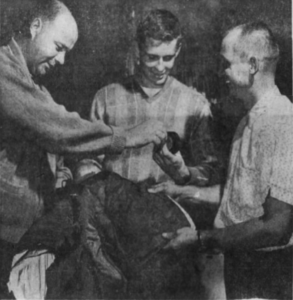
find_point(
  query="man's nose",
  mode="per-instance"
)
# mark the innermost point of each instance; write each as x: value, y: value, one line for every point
x: 160, y: 65
x: 61, y: 58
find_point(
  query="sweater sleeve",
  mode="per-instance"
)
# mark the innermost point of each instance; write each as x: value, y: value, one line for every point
x: 32, y: 109
x: 205, y: 167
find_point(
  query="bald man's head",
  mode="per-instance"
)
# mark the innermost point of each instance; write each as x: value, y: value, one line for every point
x: 254, y: 40
x: 28, y: 10
x: 52, y: 33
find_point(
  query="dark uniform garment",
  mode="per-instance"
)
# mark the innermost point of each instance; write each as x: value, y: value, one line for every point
x: 122, y: 255
x: 256, y: 274
x: 107, y: 239
x: 57, y: 231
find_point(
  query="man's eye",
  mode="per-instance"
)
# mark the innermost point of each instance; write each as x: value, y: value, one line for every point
x: 59, y: 48
x: 152, y: 57
x: 168, y: 58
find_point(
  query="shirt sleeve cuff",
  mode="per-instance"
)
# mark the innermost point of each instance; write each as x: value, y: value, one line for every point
x: 118, y: 140
x: 196, y: 177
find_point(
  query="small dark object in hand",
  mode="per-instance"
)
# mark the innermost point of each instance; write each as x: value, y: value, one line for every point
x: 173, y: 142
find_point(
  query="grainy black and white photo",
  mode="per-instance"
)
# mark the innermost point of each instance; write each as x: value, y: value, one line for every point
x: 146, y: 149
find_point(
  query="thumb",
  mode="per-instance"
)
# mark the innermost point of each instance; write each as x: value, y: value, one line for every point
x: 165, y: 152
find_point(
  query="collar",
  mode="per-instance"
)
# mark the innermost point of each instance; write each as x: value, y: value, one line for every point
x: 17, y: 53
x: 264, y: 105
x: 156, y: 96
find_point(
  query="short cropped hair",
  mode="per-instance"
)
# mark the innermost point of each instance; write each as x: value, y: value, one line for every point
x: 256, y: 39
x: 160, y: 25
x: 31, y: 9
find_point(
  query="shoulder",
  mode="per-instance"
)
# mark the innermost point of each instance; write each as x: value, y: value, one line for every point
x: 8, y: 63
x: 191, y: 92
x: 114, y: 89
x: 196, y: 100
x: 279, y: 114
x: 11, y: 70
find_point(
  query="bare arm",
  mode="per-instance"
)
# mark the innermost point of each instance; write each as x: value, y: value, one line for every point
x: 274, y: 228
x: 192, y: 193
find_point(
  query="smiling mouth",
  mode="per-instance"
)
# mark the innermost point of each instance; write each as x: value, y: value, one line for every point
x: 49, y: 67
x: 159, y: 75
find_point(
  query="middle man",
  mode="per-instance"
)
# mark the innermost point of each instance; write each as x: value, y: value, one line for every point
x: 153, y: 94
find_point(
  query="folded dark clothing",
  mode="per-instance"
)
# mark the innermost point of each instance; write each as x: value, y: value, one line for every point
x: 130, y: 223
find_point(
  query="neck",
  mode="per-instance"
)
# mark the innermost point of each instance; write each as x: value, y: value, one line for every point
x: 260, y: 86
x: 147, y: 84
x: 24, y: 47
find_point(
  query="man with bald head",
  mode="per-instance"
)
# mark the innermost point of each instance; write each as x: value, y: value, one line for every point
x: 253, y: 226
x: 35, y: 130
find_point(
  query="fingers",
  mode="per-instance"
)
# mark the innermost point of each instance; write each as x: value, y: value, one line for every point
x: 184, y: 230
x: 161, y: 159
x: 156, y: 140
x: 159, y: 130
x: 157, y: 188
x: 173, y: 243
x: 159, y: 137
x: 161, y: 134
x: 158, y: 159
x: 169, y: 235
x: 166, y: 153
x: 183, y: 236
x: 168, y: 157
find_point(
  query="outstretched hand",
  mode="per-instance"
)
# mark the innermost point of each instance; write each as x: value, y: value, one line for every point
x: 181, y: 238
x: 169, y: 188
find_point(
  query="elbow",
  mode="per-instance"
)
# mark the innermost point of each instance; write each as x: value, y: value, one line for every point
x: 284, y: 237
x: 61, y: 146
x: 56, y: 144
x: 279, y: 234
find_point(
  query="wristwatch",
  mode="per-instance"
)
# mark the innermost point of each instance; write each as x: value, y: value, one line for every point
x: 206, y: 245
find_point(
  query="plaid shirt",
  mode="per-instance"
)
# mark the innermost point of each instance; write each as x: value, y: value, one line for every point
x: 180, y: 108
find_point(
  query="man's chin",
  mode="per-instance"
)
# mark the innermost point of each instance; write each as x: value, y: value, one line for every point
x: 39, y: 73
x: 43, y: 72
x: 160, y: 82
x: 42, y: 76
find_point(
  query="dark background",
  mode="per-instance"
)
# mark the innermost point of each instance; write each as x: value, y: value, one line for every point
x: 103, y: 53
x: 107, y: 28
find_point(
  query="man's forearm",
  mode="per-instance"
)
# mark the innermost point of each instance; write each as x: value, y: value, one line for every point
x: 200, y: 195
x: 49, y: 124
x: 253, y: 234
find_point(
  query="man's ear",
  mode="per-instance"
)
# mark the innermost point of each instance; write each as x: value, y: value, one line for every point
x: 36, y: 27
x: 254, y: 65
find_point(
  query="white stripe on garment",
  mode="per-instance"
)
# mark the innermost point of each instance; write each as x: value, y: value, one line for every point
x: 27, y: 279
